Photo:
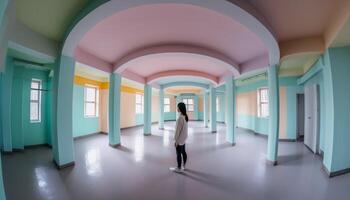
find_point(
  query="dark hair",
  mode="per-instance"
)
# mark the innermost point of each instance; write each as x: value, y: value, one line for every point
x: 182, y: 108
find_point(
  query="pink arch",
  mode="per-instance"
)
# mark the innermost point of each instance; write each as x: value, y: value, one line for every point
x: 154, y: 77
x: 232, y: 66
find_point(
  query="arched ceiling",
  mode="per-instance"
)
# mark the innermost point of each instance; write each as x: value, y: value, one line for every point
x: 118, y: 38
x: 291, y: 22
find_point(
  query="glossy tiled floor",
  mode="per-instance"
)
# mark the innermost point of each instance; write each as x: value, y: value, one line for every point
x: 139, y: 170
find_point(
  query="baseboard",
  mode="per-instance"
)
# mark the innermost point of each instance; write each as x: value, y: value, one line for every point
x: 335, y: 173
x: 36, y: 146
x: 266, y: 136
x: 273, y: 163
x: 89, y: 135
x: 63, y: 166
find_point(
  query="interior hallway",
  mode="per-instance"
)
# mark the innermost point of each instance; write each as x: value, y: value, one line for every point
x: 216, y: 170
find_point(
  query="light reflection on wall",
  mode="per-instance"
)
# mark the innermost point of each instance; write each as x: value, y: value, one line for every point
x: 93, y: 162
x: 139, y: 148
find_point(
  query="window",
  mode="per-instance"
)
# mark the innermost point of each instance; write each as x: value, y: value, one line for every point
x: 263, y: 102
x: 189, y: 104
x: 91, y: 96
x: 139, y: 103
x: 35, y: 101
x: 166, y: 104
x: 217, y: 104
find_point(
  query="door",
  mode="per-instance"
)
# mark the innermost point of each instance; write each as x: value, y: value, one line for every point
x: 311, y: 118
x: 300, y: 116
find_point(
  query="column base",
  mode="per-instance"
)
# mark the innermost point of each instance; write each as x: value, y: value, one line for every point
x: 232, y: 144
x: 213, y: 131
x: 270, y: 162
x: 147, y: 134
x: 115, y: 145
x: 59, y: 167
x: 161, y: 128
x: 336, y: 173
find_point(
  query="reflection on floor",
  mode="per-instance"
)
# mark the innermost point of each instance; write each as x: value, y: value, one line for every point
x: 139, y: 170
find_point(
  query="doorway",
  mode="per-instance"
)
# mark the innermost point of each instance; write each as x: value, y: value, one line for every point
x: 300, y: 116
x: 311, y: 130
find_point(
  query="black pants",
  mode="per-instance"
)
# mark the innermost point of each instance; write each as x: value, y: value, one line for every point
x: 181, y: 154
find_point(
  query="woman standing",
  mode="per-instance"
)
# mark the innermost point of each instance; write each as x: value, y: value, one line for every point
x: 180, y: 138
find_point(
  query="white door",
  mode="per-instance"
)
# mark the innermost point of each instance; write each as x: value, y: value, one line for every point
x: 311, y: 118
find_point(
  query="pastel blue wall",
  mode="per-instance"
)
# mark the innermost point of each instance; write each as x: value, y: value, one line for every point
x: 82, y: 125
x: 340, y: 71
x: 23, y: 132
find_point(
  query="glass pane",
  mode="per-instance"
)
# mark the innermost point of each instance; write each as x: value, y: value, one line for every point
x: 264, y: 110
x: 34, y: 111
x: 190, y: 101
x: 35, y: 84
x: 34, y: 95
x: 190, y: 108
x: 138, y: 108
x: 138, y: 99
x: 90, y: 94
x: 167, y: 108
x: 264, y: 96
x: 90, y: 109
x: 166, y: 101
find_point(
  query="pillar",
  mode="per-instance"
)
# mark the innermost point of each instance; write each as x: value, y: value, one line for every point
x: 230, y: 110
x: 62, y: 116
x: 147, y: 110
x: 272, y: 145
x: 6, y: 94
x: 205, y: 109
x: 161, y: 109
x: 212, y: 102
x: 114, y: 110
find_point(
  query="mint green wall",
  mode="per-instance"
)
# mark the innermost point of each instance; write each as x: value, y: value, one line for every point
x: 168, y: 116
x: 260, y: 125
x: 82, y: 125
x: 340, y: 71
x: 23, y: 132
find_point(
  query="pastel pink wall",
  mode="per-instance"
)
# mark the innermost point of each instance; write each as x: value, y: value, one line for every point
x: 104, y: 110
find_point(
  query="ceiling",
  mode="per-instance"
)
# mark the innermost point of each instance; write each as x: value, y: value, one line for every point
x: 128, y: 31
x: 294, y: 19
x: 48, y: 17
x: 144, y: 26
x: 184, y: 89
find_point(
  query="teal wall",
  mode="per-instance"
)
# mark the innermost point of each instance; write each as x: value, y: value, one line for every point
x: 168, y: 116
x: 23, y: 132
x: 260, y: 125
x: 82, y: 125
x: 340, y: 71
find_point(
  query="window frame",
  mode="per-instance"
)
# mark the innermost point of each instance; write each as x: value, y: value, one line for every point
x: 188, y: 105
x: 261, y: 102
x: 166, y: 105
x: 95, y: 102
x: 38, y: 102
x: 141, y: 104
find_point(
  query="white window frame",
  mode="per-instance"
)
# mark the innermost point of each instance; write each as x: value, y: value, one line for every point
x: 188, y: 105
x: 141, y: 104
x: 96, y: 101
x: 217, y: 104
x: 38, y: 102
x: 261, y: 102
x: 166, y: 104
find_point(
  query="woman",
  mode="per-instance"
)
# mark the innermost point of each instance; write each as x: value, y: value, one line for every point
x: 180, y: 138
